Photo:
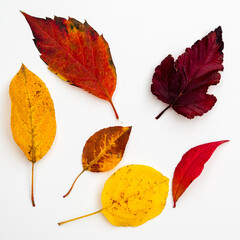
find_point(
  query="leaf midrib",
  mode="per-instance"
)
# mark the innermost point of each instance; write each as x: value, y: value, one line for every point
x: 33, y: 147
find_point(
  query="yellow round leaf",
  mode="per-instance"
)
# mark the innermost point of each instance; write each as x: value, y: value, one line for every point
x: 133, y: 195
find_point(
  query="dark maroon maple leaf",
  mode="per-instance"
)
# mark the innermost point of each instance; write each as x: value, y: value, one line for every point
x: 183, y: 84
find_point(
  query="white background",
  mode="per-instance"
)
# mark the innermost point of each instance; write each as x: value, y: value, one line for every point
x: 140, y: 34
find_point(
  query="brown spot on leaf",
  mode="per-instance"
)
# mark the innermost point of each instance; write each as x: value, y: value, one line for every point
x: 60, y: 23
x: 75, y: 22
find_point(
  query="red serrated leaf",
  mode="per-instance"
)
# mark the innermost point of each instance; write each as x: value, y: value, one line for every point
x: 183, y: 84
x: 191, y: 166
x: 76, y: 53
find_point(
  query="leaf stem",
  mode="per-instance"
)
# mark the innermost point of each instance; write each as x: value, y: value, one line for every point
x: 60, y: 223
x: 32, y: 192
x: 162, y: 112
x: 74, y: 182
x: 114, y: 109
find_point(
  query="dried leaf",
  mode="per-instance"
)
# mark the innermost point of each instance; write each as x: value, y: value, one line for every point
x: 183, y: 84
x: 104, y: 150
x: 191, y: 166
x: 76, y: 53
x: 33, y: 121
x: 132, y: 196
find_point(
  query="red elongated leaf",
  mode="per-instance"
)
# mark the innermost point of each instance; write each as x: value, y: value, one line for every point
x: 183, y: 83
x: 191, y: 166
x: 76, y: 53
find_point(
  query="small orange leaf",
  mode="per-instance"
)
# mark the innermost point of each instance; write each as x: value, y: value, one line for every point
x: 104, y: 150
x: 76, y: 53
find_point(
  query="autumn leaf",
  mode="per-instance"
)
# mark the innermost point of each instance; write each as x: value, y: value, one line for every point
x: 132, y: 196
x: 33, y: 121
x: 76, y: 53
x: 191, y: 166
x: 183, y: 84
x: 104, y: 150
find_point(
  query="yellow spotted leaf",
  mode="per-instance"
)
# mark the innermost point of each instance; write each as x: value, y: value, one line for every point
x: 33, y: 121
x: 104, y: 150
x: 132, y: 196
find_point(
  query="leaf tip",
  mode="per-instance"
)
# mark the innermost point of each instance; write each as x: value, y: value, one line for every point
x: 23, y: 13
x: 129, y: 128
x: 219, y: 29
x: 23, y: 66
x: 219, y: 40
x: 23, y: 69
x: 223, y: 141
x: 27, y: 16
